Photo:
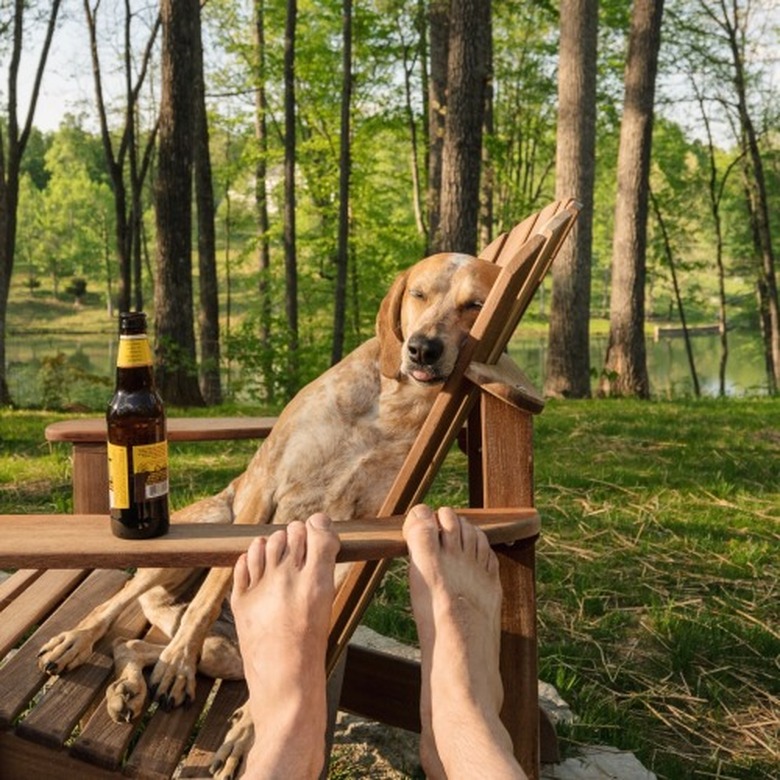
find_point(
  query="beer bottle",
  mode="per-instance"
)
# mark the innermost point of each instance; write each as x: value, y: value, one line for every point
x: 137, y: 444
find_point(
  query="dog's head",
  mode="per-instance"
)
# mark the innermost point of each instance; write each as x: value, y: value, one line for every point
x: 426, y: 316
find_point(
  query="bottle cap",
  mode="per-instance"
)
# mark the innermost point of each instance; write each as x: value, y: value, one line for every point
x: 131, y: 322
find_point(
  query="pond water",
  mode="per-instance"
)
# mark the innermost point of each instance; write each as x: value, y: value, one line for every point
x: 667, y: 363
x: 48, y: 369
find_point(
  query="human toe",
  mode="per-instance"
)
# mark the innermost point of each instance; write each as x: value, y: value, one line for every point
x: 452, y: 528
x: 421, y: 530
x: 322, y: 541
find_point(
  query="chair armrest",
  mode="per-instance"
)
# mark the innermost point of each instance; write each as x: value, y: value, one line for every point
x: 86, y: 541
x: 93, y: 429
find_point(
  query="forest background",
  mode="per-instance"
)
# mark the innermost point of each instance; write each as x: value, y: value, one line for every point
x: 317, y: 154
x: 259, y: 213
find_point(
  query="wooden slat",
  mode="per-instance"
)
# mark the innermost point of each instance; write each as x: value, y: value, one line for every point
x: 11, y: 587
x: 37, y: 601
x: 73, y: 693
x: 23, y: 760
x: 160, y: 747
x: 47, y: 541
x: 93, y: 429
x: 20, y: 677
x: 382, y: 687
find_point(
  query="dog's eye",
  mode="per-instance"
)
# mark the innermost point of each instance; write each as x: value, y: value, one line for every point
x: 474, y: 305
x: 419, y: 294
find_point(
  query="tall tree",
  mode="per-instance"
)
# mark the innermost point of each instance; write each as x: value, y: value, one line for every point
x: 345, y: 167
x: 625, y: 365
x: 732, y: 19
x: 175, y: 356
x: 208, y: 314
x: 12, y: 147
x: 261, y: 195
x: 127, y: 164
x: 467, y: 75
x: 439, y: 32
x: 568, y: 356
x: 290, y: 251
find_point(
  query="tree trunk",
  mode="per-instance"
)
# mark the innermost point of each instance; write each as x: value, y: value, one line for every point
x: 755, y: 181
x: 175, y: 358
x: 122, y: 160
x: 568, y: 356
x: 488, y: 173
x: 467, y: 73
x: 438, y: 26
x: 290, y: 255
x: 677, y: 294
x: 261, y: 202
x: 345, y: 165
x: 625, y: 366
x: 208, y: 318
x: 11, y: 154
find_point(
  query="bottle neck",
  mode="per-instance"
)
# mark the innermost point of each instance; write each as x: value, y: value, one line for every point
x: 135, y: 378
x: 134, y: 362
x: 134, y: 351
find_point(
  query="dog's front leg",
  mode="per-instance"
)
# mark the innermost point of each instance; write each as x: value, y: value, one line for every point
x: 70, y: 649
x: 173, y: 677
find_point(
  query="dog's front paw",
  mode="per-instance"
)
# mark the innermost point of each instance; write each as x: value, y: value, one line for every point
x: 235, y: 747
x: 125, y: 698
x: 65, y: 651
x: 173, y: 678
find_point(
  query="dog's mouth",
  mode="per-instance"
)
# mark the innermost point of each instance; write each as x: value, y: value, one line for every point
x: 426, y: 376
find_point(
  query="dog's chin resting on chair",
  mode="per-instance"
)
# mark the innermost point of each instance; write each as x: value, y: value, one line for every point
x: 336, y: 447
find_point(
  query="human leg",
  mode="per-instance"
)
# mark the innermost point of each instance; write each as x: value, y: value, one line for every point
x: 456, y: 598
x: 282, y: 597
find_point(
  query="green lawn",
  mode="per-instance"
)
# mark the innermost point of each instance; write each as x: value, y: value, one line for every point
x: 658, y: 567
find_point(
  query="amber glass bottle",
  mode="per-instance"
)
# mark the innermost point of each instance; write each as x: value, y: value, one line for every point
x: 137, y: 444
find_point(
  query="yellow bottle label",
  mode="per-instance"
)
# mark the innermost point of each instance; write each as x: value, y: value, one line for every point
x: 134, y: 351
x: 149, y: 477
x: 150, y: 468
x: 118, y: 487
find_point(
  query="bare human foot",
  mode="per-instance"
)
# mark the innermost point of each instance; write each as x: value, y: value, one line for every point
x: 283, y: 590
x: 456, y: 598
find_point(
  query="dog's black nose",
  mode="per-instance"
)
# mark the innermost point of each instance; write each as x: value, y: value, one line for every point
x: 425, y: 351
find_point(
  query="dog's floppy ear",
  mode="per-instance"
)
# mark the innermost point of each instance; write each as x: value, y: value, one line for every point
x: 388, y: 329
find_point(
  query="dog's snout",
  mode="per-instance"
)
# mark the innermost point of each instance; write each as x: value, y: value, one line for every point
x: 425, y: 351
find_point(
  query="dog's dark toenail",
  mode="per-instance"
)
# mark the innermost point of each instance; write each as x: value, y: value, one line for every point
x: 50, y: 668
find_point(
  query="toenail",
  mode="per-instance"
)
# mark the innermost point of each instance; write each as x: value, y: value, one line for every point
x: 321, y: 521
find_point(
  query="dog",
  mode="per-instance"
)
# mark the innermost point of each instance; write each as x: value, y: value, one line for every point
x: 336, y: 447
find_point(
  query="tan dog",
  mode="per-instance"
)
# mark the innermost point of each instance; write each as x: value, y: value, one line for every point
x: 336, y: 447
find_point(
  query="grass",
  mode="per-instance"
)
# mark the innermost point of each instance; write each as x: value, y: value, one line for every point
x: 657, y: 567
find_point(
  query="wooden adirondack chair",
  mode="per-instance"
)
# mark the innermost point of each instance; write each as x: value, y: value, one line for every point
x: 61, y: 729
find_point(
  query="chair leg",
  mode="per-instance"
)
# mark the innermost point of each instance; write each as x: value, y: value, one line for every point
x: 520, y: 713
x: 333, y: 694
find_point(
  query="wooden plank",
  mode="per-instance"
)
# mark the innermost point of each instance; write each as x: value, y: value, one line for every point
x: 382, y: 687
x: 22, y: 760
x: 11, y: 587
x: 46, y: 541
x: 73, y: 694
x: 507, y: 462
x: 20, y: 677
x: 35, y: 603
x: 162, y: 743
x: 230, y: 696
x: 93, y: 429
